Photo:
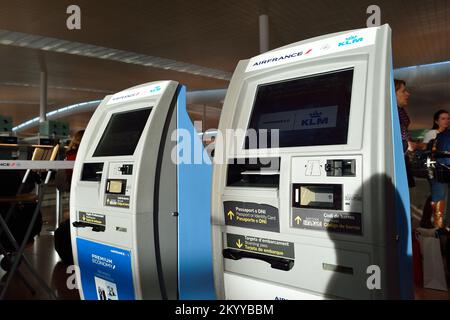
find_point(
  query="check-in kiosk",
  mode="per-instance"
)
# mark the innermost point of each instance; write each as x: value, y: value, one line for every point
x: 312, y: 202
x: 139, y: 216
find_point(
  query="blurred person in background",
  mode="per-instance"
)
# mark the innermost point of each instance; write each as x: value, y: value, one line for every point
x: 402, y: 96
x: 436, y: 207
x: 63, y: 244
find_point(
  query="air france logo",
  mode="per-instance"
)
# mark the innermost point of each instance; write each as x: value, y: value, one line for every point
x: 315, y: 119
x: 155, y: 89
x: 283, y: 57
x: 350, y: 40
x: 127, y: 96
x: 7, y: 164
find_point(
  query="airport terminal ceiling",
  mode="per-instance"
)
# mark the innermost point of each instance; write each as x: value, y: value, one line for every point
x: 211, y: 35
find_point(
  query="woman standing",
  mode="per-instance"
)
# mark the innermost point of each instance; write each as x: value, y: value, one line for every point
x: 62, y: 239
x: 441, y: 120
x: 402, y: 96
x: 72, y: 150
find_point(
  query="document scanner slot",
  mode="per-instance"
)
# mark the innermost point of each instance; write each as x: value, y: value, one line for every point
x: 276, y: 263
x: 254, y: 172
x: 92, y: 171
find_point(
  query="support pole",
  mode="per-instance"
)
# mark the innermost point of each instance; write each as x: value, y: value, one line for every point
x: 263, y: 33
x: 43, y: 97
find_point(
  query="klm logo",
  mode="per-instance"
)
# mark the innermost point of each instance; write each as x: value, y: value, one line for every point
x: 315, y: 119
x: 350, y: 40
x: 155, y: 89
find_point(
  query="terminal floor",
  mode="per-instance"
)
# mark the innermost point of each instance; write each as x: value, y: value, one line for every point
x: 46, y: 261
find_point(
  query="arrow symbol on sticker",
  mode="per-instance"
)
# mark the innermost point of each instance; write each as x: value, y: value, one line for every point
x: 298, y: 220
x: 239, y: 243
x: 230, y: 214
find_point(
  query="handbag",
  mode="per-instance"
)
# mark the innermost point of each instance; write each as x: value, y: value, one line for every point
x: 417, y: 261
x: 432, y: 263
x: 417, y: 161
x: 442, y: 172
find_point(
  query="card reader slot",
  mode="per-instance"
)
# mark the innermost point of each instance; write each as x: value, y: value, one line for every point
x: 276, y: 263
x: 337, y: 268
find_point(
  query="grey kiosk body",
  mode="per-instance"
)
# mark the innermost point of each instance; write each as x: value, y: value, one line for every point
x: 124, y: 238
x: 322, y: 214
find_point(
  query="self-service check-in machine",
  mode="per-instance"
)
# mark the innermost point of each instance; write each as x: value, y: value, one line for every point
x: 319, y: 209
x: 140, y: 217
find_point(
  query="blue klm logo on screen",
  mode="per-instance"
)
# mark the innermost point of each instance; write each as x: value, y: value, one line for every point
x: 315, y: 119
x: 350, y: 40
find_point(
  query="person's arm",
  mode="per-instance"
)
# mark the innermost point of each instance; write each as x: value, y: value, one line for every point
x: 430, y: 135
x: 420, y: 146
x: 412, y: 145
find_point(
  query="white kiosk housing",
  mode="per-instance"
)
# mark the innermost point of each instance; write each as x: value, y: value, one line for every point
x: 140, y: 219
x: 319, y: 212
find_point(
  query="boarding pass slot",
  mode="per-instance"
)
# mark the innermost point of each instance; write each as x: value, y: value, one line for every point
x: 92, y: 172
x: 95, y: 228
x: 276, y: 263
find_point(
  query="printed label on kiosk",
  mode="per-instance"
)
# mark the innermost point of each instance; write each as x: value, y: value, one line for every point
x: 106, y: 272
x: 92, y: 218
x: 261, y: 245
x: 319, y: 207
x: 251, y: 215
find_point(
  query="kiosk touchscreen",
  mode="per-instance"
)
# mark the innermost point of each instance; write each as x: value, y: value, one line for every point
x: 139, y: 216
x: 312, y: 201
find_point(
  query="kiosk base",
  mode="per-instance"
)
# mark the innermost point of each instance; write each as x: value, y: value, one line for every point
x: 240, y: 288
